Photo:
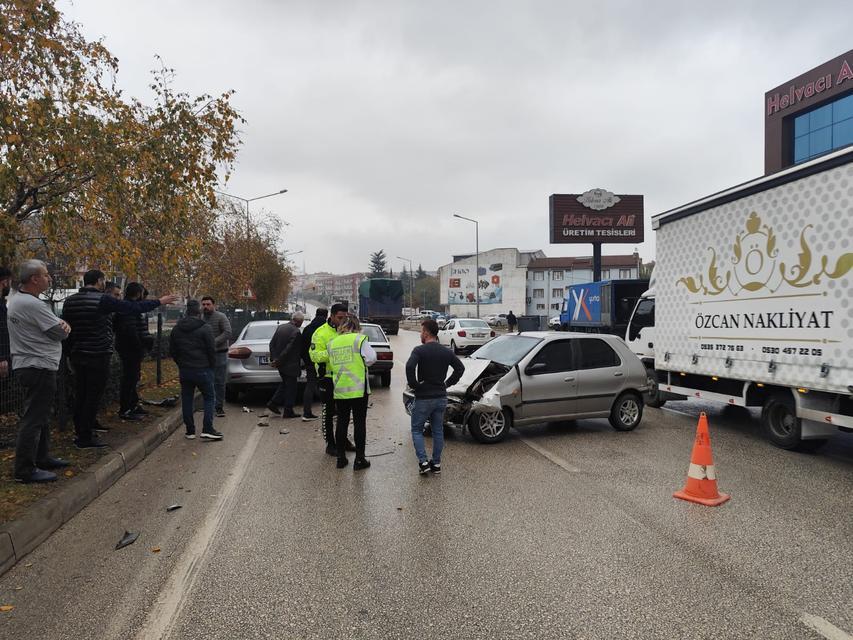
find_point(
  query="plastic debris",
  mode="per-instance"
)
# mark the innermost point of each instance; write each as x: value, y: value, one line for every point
x: 263, y: 423
x: 284, y: 432
x: 6, y: 608
x: 247, y: 410
x: 170, y: 401
x: 155, y: 549
x: 127, y: 539
x: 173, y: 507
x: 263, y: 415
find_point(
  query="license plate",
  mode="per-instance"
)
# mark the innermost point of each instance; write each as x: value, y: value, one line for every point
x: 478, y: 335
x: 263, y: 359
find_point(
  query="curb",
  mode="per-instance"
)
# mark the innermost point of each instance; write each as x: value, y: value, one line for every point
x: 42, y: 518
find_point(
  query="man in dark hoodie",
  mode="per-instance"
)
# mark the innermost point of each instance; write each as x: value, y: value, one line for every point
x: 191, y: 344
x: 133, y: 341
x: 310, y: 372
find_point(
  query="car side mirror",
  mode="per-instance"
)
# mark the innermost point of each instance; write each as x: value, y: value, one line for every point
x: 536, y: 367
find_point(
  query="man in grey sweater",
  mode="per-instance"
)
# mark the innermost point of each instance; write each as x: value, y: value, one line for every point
x: 218, y: 322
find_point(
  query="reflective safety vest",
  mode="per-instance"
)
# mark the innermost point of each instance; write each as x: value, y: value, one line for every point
x: 324, y: 334
x: 346, y: 363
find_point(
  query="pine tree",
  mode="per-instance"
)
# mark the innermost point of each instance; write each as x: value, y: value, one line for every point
x: 420, y: 274
x: 378, y: 263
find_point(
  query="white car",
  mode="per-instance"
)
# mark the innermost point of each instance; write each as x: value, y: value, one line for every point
x: 497, y: 320
x: 465, y: 335
x: 555, y: 323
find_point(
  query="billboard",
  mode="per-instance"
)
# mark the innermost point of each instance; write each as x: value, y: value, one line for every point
x: 463, y: 282
x: 596, y: 216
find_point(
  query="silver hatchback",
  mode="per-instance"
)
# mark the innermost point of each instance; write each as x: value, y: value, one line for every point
x: 540, y: 376
x: 249, y: 360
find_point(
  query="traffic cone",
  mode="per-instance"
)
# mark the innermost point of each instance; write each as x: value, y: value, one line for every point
x: 701, y: 484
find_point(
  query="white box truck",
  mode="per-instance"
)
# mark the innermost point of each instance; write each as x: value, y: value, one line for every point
x: 751, y: 301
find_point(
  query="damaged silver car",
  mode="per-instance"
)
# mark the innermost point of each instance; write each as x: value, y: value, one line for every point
x: 540, y: 376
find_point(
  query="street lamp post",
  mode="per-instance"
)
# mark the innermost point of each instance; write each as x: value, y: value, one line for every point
x: 247, y: 201
x: 287, y: 255
x: 411, y: 282
x: 476, y: 257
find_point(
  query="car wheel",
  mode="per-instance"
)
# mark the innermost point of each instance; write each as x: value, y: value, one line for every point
x: 490, y: 427
x: 453, y: 347
x: 385, y: 378
x: 653, y: 394
x: 627, y: 411
x: 232, y: 394
x: 782, y: 426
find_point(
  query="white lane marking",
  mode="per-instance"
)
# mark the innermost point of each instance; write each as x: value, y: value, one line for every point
x: 557, y: 460
x: 824, y: 628
x: 170, y: 601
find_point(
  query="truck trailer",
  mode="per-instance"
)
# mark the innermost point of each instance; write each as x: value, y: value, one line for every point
x: 601, y: 307
x: 380, y: 300
x: 751, y: 301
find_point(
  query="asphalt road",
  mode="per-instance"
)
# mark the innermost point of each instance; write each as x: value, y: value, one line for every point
x: 562, y: 531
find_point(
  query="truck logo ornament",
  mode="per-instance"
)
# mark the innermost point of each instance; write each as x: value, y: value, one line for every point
x: 757, y: 266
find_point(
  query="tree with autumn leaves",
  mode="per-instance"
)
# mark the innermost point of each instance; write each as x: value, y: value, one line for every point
x: 89, y: 177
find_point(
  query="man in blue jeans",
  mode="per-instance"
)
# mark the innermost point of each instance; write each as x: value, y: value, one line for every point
x: 426, y: 371
x: 191, y: 344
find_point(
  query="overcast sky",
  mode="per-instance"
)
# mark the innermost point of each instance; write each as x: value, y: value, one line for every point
x: 382, y: 119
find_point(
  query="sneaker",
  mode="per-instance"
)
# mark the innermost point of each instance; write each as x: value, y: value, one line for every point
x: 290, y: 414
x: 94, y: 443
x: 423, y: 468
x: 129, y: 415
x: 308, y: 417
x: 212, y: 434
x: 273, y: 408
x: 138, y: 410
x: 360, y: 464
x: 190, y: 436
x: 99, y: 428
x: 220, y: 412
x: 342, y: 462
x: 331, y: 450
x: 53, y: 463
x: 435, y: 467
x: 38, y: 475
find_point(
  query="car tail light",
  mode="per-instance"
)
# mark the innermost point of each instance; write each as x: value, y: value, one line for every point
x: 461, y: 334
x: 239, y: 353
x: 492, y: 333
x: 385, y: 355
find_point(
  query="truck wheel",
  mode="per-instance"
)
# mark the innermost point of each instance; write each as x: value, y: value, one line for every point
x: 385, y: 378
x: 782, y: 426
x: 231, y: 393
x: 627, y: 412
x: 490, y: 427
x: 653, y: 394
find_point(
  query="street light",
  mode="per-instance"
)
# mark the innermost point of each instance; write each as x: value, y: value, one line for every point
x: 411, y: 282
x: 287, y: 255
x: 476, y: 257
x: 248, y: 200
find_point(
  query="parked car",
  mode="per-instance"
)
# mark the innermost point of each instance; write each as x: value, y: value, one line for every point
x: 554, y: 323
x: 541, y: 376
x: 249, y: 360
x: 384, y: 355
x: 465, y: 334
x: 497, y: 320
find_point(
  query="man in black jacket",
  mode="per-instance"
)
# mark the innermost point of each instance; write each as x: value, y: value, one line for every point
x: 286, y: 356
x: 425, y: 372
x: 5, y: 351
x: 192, y: 347
x: 310, y: 372
x: 133, y: 341
x: 90, y: 347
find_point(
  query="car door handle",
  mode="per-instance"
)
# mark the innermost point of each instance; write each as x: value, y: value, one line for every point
x: 568, y: 379
x: 617, y: 374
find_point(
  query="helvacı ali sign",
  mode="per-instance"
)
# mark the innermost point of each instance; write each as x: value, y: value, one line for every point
x: 597, y: 215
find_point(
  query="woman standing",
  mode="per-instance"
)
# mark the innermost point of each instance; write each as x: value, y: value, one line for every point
x: 350, y: 354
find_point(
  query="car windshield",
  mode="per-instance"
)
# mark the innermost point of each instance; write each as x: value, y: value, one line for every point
x: 374, y: 334
x: 474, y: 324
x: 259, y: 331
x: 506, y: 350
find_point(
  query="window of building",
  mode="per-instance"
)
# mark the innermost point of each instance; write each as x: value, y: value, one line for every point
x: 823, y: 129
x: 538, y: 275
x: 557, y: 275
x: 540, y: 307
x: 624, y: 274
x: 539, y: 293
x: 556, y: 306
x: 605, y: 274
x: 557, y: 293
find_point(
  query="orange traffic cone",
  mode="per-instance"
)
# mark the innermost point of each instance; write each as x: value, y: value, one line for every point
x: 701, y: 484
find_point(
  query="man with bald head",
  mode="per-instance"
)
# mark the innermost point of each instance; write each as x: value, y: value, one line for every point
x: 286, y: 356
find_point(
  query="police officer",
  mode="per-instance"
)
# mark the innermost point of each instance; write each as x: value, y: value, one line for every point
x: 350, y: 354
x: 320, y: 357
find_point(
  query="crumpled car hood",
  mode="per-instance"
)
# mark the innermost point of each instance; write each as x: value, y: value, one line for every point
x: 474, y: 368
